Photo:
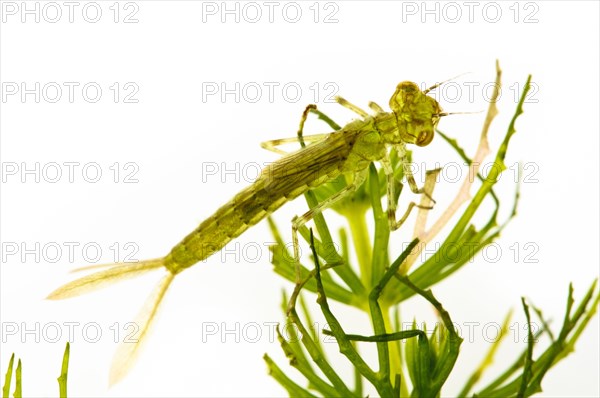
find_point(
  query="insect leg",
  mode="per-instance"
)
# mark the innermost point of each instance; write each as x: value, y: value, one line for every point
x: 375, y: 107
x: 326, y: 119
x: 411, y: 179
x: 391, y: 197
x: 302, y: 121
x: 312, y: 108
x: 300, y: 137
x: 298, y: 222
x: 351, y: 106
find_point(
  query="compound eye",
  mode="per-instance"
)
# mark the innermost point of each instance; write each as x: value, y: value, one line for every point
x: 424, y: 137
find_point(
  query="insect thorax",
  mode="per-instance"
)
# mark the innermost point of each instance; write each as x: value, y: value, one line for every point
x: 387, y: 125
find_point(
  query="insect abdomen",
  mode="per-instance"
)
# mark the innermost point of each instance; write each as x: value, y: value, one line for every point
x: 279, y: 183
x: 246, y: 209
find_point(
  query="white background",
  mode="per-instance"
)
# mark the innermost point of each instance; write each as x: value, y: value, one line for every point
x: 172, y: 132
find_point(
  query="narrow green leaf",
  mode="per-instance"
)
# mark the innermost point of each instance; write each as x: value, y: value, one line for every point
x: 18, y: 393
x: 62, y: 379
x: 8, y: 377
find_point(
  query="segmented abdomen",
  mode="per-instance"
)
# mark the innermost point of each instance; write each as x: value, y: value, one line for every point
x: 279, y: 183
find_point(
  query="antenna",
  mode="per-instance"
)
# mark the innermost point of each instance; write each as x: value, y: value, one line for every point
x: 445, y: 81
x: 455, y: 113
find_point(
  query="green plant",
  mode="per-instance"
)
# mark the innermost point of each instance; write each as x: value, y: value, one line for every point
x: 380, y: 285
x: 18, y: 393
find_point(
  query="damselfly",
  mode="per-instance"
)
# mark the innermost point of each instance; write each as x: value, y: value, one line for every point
x: 349, y: 151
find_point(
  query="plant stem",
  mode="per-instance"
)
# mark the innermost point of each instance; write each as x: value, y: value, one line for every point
x: 362, y: 242
x: 395, y: 362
